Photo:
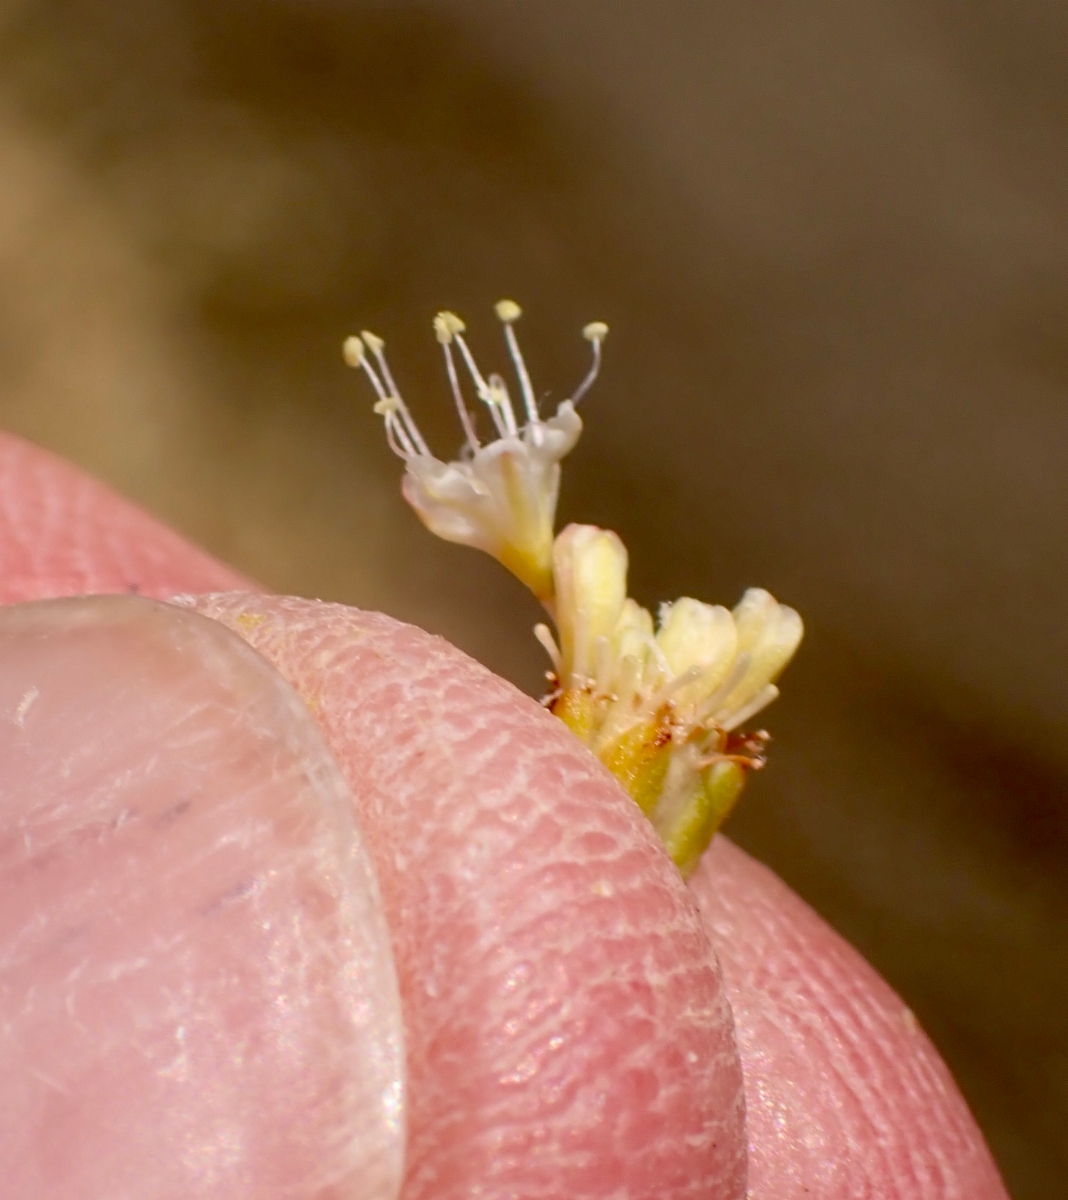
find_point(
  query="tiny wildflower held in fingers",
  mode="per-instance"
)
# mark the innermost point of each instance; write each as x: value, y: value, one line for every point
x: 662, y: 703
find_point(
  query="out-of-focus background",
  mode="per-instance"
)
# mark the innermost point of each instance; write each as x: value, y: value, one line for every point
x: 831, y: 239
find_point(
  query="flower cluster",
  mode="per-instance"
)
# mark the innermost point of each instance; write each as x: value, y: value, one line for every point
x: 661, y: 704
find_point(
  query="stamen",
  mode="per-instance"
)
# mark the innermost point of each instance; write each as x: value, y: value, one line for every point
x: 594, y: 333
x: 353, y: 352
x: 397, y: 436
x: 481, y: 386
x: 447, y: 325
x: 508, y: 312
x: 548, y: 642
x: 355, y: 356
x: 500, y: 401
x: 376, y: 345
x: 457, y: 394
x: 386, y: 406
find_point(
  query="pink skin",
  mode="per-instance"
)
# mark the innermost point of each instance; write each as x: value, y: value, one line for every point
x: 566, y: 1028
x: 497, y: 841
x: 845, y: 1095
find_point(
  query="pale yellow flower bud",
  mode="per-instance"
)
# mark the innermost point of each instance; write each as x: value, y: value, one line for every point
x: 590, y: 573
x: 699, y: 640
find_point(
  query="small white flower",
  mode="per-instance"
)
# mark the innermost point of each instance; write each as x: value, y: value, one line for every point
x: 499, y: 497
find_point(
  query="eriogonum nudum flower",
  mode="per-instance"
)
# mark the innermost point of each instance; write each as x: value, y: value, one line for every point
x: 662, y: 704
x: 499, y: 496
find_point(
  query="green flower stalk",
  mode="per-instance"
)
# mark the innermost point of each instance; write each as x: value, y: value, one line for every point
x: 662, y: 704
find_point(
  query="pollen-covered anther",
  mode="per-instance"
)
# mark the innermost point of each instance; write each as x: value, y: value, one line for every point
x: 402, y: 433
x: 507, y: 311
x: 594, y: 333
x: 446, y: 326
x: 353, y: 352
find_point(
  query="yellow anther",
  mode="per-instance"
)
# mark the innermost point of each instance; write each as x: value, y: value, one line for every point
x: 496, y: 393
x: 507, y: 311
x: 446, y: 326
x: 372, y: 341
x: 352, y: 351
x: 387, y: 405
x: 595, y: 331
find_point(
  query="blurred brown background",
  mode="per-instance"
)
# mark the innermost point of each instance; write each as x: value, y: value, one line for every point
x: 831, y: 239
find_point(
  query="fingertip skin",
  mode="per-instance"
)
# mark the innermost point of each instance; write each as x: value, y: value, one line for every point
x: 830, y: 1116
x: 845, y: 1095
x: 566, y: 1028
x: 62, y: 533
